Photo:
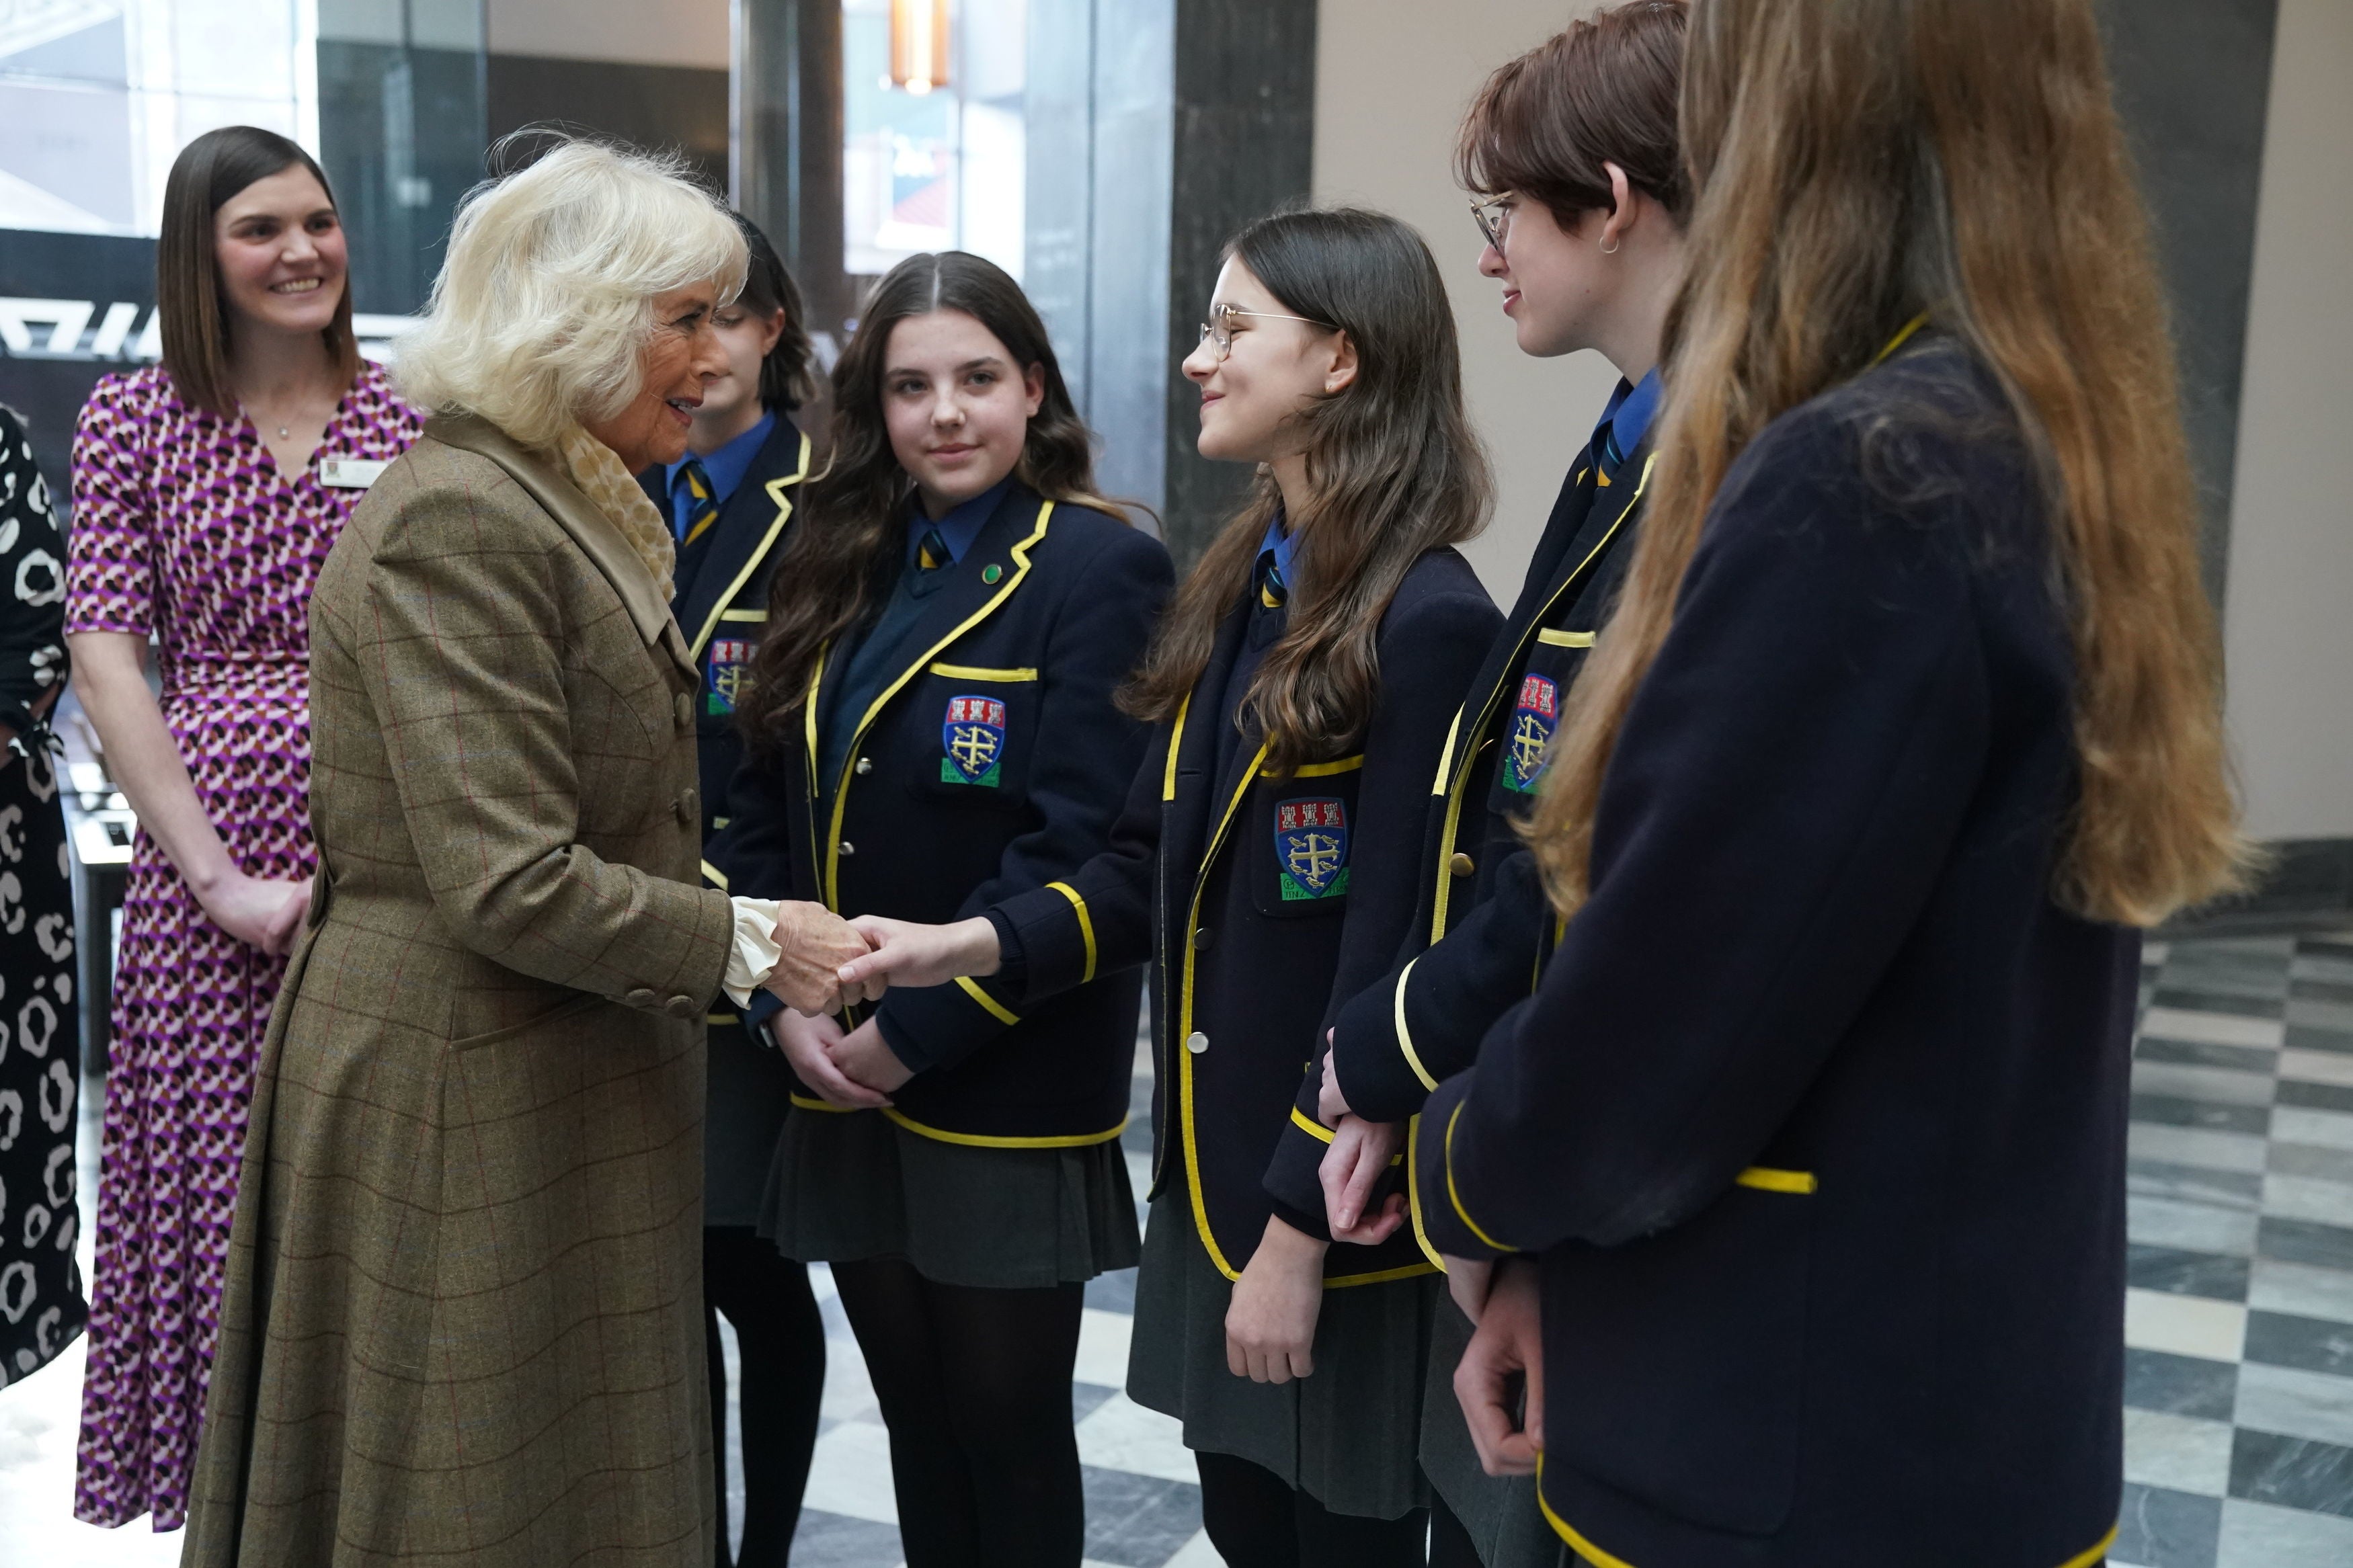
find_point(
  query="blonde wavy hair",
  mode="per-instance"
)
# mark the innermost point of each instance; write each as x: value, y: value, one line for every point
x: 541, y: 311
x: 1858, y: 162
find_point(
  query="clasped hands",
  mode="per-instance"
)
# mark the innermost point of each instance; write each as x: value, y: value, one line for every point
x: 826, y: 964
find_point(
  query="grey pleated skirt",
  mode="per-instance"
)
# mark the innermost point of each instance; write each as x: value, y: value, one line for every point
x: 1499, y: 1512
x: 845, y: 1186
x: 1348, y: 1435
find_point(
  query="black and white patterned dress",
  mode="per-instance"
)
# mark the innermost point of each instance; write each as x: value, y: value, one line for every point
x: 41, y: 1303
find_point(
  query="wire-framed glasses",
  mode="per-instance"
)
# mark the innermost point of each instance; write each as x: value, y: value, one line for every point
x: 1219, y: 330
x: 1493, y: 216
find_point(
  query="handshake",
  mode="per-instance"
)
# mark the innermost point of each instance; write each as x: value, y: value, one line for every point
x: 825, y: 963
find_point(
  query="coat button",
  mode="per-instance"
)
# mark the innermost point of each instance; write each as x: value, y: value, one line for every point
x: 1202, y: 938
x: 1461, y: 865
x: 684, y: 708
x: 641, y: 997
x: 865, y: 764
x: 848, y: 848
x: 684, y: 806
x: 1197, y: 1042
x: 681, y: 1007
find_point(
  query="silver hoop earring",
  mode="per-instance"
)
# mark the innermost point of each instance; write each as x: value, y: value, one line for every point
x: 1611, y: 249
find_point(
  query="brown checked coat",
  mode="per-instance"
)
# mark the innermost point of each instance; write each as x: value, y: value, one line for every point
x: 462, y: 1321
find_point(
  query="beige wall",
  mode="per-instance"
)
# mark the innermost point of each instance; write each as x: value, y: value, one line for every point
x: 2288, y: 635
x: 631, y: 32
x: 1392, y: 78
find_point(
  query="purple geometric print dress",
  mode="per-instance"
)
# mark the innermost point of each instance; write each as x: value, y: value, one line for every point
x: 183, y: 526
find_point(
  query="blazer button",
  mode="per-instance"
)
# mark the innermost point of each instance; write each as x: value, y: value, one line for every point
x: 865, y: 764
x: 684, y: 806
x: 684, y: 708
x: 642, y: 997
x: 1197, y: 1042
x: 681, y: 1007
x: 1203, y: 937
x: 848, y: 848
x: 1461, y: 865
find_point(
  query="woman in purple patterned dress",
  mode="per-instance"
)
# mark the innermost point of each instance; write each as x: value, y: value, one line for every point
x: 207, y: 491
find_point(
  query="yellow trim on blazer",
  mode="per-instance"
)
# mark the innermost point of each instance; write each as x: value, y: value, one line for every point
x: 721, y: 1018
x: 1405, y: 1035
x: 1325, y: 770
x: 1764, y: 1179
x: 849, y: 759
x: 714, y: 876
x: 969, y: 1139
x: 2098, y: 1549
x: 742, y: 615
x: 1176, y: 739
x: 1455, y: 1197
x: 1446, y: 756
x: 1453, y: 787
x: 784, y: 514
x: 1086, y: 925
x: 981, y: 672
x: 1413, y: 1192
x: 1310, y: 1126
x: 1185, y: 1030
x: 1552, y: 638
x: 990, y: 1005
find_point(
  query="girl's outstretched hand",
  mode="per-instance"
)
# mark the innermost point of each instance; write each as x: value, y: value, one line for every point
x: 1361, y: 1151
x: 905, y: 953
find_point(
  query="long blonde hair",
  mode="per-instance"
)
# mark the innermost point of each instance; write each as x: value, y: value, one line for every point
x: 1861, y: 161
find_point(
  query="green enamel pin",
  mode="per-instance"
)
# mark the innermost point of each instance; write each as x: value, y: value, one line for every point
x: 991, y: 572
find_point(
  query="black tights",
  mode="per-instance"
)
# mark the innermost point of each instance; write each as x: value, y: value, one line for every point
x: 1256, y: 1521
x: 781, y: 1337
x: 975, y: 1385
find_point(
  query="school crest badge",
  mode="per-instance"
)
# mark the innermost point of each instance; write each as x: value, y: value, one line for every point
x: 973, y: 735
x: 726, y: 674
x: 1310, y: 845
x: 1531, y: 725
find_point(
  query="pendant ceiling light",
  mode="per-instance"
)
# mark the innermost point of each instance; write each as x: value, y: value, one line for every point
x: 919, y: 43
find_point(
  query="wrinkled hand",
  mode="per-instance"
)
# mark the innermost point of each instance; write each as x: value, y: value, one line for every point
x: 1271, y: 1322
x: 806, y: 1044
x: 813, y: 944
x: 1360, y: 1153
x: 1468, y: 1280
x: 261, y: 913
x: 866, y: 1060
x: 905, y: 953
x: 1509, y: 1340
x: 1330, y: 1103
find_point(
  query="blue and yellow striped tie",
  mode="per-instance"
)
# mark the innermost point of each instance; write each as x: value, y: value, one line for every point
x: 702, y: 504
x: 932, y: 552
x: 1272, y: 591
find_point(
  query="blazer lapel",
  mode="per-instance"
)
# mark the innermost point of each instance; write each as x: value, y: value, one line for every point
x: 749, y: 530
x: 544, y: 480
x: 1202, y: 792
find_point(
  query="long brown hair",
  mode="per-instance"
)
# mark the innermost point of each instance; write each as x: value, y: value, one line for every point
x: 1602, y: 90
x: 846, y: 551
x: 1396, y: 472
x: 1857, y: 163
x: 208, y: 173
x: 785, y: 379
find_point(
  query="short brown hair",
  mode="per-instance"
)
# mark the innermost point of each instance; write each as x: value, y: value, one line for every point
x: 1603, y: 92
x: 208, y: 173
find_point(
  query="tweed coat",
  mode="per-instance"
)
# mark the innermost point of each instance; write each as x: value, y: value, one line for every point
x: 462, y: 1320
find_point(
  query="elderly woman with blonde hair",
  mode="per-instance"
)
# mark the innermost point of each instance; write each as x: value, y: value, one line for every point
x: 462, y: 1320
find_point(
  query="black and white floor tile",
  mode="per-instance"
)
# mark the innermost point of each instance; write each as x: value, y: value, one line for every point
x: 2238, y: 1321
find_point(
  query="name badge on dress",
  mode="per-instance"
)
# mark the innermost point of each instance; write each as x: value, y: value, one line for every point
x: 351, y: 473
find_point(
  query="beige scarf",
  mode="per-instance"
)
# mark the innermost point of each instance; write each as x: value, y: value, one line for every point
x: 597, y: 470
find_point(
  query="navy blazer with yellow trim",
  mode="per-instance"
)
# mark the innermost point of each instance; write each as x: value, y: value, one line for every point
x: 1044, y: 616
x: 1817, y: 1119
x: 724, y: 598
x: 1480, y: 888
x: 1248, y: 964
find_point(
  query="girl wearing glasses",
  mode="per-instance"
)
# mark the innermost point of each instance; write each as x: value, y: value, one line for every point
x: 1300, y: 686
x: 1581, y: 197
x: 932, y: 729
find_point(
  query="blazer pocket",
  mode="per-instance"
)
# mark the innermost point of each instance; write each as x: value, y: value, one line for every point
x: 1676, y: 1365
x: 971, y: 731
x: 579, y: 1002
x: 1303, y: 838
